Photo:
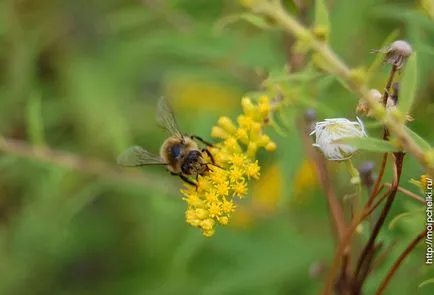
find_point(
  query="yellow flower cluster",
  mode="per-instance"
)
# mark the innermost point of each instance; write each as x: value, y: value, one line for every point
x: 213, y: 200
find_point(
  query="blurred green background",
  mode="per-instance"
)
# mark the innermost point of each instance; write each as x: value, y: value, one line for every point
x: 84, y: 77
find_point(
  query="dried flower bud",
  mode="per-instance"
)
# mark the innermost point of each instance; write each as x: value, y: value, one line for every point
x: 397, y: 53
x: 310, y: 119
x: 317, y: 269
x: 363, y: 106
x: 392, y: 99
x: 366, y: 170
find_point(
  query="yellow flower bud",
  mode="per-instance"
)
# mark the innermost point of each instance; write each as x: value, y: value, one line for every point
x: 264, y: 106
x: 248, y: 107
x: 270, y: 147
x: 263, y: 140
x: 207, y: 224
x: 194, y: 222
x: 264, y: 110
x: 227, y: 124
x: 232, y: 145
x: 263, y: 99
x: 255, y: 132
x: 201, y: 213
x: 223, y: 220
x: 251, y: 150
x: 242, y: 135
x: 219, y: 133
x: 245, y: 121
x: 208, y: 233
x: 191, y: 218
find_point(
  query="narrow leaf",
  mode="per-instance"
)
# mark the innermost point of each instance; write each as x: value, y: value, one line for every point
x: 321, y: 15
x: 426, y: 282
x: 35, y: 125
x: 418, y: 139
x: 251, y: 18
x: 277, y: 126
x: 256, y: 20
x: 369, y: 144
x: 407, y: 93
x: 397, y: 218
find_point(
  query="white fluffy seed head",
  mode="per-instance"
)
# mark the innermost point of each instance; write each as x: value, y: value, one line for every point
x: 329, y: 131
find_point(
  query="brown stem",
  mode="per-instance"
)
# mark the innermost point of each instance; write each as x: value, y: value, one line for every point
x: 398, y: 262
x: 389, y: 84
x: 375, y: 191
x: 342, y: 248
x: 322, y: 173
x: 346, y: 239
x: 364, y: 273
x: 408, y: 193
x: 74, y: 162
x: 382, y: 258
x: 398, y: 161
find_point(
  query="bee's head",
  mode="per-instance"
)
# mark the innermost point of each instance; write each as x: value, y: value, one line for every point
x: 193, y: 163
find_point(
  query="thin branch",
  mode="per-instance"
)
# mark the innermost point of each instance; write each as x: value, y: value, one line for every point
x: 322, y: 173
x: 364, y: 273
x: 389, y: 84
x: 408, y: 193
x: 86, y: 165
x: 340, y: 252
x: 398, y: 161
x: 375, y: 191
x: 399, y: 261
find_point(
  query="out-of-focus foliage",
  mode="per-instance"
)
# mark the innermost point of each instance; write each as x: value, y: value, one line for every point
x: 84, y: 77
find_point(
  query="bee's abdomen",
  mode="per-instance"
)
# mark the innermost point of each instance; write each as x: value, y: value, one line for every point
x: 170, y: 152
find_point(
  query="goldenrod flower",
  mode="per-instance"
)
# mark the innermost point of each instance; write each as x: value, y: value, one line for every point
x: 213, y: 201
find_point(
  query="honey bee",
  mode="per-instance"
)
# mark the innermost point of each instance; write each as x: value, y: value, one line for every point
x: 179, y: 153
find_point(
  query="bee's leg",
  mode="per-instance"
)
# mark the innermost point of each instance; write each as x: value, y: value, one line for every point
x: 186, y: 179
x: 211, y: 157
x: 201, y: 140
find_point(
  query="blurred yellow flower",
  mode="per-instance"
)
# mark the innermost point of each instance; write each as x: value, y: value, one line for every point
x: 199, y: 94
x: 305, y: 180
x: 212, y: 202
x: 421, y: 183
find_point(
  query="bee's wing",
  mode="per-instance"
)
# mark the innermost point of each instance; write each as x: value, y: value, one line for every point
x: 137, y: 156
x: 166, y: 118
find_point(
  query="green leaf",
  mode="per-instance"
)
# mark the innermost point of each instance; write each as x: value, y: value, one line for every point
x: 426, y: 282
x: 251, y: 18
x: 277, y: 126
x: 407, y: 93
x: 401, y: 216
x: 35, y: 125
x: 321, y: 15
x: 418, y: 139
x: 369, y: 144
